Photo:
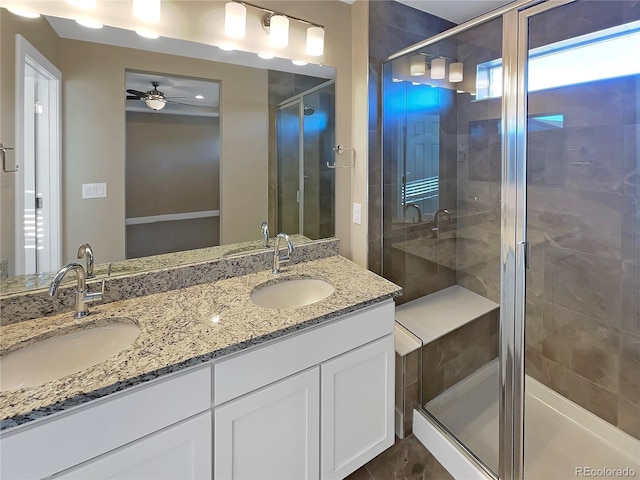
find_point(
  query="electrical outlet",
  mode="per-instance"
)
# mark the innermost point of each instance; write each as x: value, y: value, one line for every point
x: 357, y: 213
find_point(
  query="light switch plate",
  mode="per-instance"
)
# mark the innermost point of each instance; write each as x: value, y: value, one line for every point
x: 94, y: 190
x: 357, y: 213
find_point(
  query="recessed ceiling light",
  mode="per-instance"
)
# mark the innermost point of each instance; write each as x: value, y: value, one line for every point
x: 299, y: 63
x: 266, y: 55
x: 148, y: 34
x: 23, y: 13
x: 87, y: 22
x: 199, y: 97
x: 227, y: 46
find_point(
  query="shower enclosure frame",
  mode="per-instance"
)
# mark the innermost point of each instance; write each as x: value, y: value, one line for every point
x: 514, y: 247
x: 298, y: 100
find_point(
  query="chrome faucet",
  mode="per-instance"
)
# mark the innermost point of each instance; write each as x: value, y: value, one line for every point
x: 86, y: 251
x: 414, y: 205
x: 265, y: 234
x: 436, y: 221
x: 82, y: 295
x: 277, y: 259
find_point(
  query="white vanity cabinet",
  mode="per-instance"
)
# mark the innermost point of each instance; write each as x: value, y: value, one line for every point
x: 125, y: 433
x: 318, y: 404
x: 182, y: 451
x: 272, y: 433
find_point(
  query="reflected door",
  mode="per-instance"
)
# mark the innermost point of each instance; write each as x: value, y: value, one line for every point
x: 38, y: 177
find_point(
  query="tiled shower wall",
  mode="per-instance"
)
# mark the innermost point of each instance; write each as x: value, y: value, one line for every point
x: 392, y: 26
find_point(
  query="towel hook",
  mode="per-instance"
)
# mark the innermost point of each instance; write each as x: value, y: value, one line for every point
x: 3, y: 151
x: 339, y: 149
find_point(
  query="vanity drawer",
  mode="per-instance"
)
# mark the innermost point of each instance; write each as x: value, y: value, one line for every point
x: 253, y: 369
x: 52, y: 445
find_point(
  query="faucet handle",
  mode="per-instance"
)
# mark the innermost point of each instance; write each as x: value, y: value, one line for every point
x: 93, y: 297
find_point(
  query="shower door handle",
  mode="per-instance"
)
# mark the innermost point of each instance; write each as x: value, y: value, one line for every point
x: 526, y: 253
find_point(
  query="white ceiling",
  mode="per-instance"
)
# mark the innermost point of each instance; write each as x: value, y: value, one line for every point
x: 456, y: 11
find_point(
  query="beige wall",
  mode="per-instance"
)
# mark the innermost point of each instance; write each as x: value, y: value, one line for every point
x: 42, y: 37
x: 94, y: 142
x: 172, y: 164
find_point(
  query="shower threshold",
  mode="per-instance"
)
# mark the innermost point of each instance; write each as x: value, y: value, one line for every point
x: 562, y: 440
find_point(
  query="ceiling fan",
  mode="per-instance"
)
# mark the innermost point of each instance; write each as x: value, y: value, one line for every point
x: 154, y: 98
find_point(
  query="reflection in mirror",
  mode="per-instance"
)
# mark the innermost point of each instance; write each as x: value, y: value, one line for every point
x: 107, y: 180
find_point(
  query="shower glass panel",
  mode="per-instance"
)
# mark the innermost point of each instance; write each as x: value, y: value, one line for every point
x: 442, y: 225
x: 304, y: 144
x: 288, y: 168
x: 582, y: 327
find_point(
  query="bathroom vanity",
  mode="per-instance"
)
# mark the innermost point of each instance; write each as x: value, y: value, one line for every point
x: 216, y: 386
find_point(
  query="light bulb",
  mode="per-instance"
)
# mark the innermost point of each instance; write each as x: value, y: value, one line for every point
x: 438, y: 67
x: 147, y: 10
x: 279, y: 31
x: 235, y: 20
x: 315, y: 41
x: 418, y: 66
x: 456, y: 73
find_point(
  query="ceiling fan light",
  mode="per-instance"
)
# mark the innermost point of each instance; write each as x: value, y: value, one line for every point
x: 235, y: 20
x: 279, y: 31
x: 155, y: 104
x: 147, y: 10
x: 315, y: 41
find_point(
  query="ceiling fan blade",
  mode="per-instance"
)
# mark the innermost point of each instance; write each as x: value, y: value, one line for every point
x: 137, y: 93
x: 133, y: 97
x: 180, y: 103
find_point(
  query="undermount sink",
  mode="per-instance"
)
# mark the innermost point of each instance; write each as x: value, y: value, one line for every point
x: 61, y: 355
x: 291, y: 293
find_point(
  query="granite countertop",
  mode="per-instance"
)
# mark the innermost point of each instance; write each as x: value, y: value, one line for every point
x: 182, y: 328
x: 123, y: 267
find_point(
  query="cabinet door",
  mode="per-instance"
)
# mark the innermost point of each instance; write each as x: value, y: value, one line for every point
x: 272, y: 433
x: 357, y: 407
x: 179, y: 452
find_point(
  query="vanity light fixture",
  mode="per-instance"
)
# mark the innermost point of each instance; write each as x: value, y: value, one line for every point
x: 89, y: 23
x: 418, y: 66
x: 235, y: 20
x: 84, y: 4
x: 147, y: 11
x: 278, y: 30
x: 315, y: 41
x: 23, y: 13
x: 147, y: 33
x: 456, y: 73
x: 438, y: 67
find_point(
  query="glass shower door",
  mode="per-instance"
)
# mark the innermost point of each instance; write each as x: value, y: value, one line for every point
x: 582, y: 314
x: 288, y: 167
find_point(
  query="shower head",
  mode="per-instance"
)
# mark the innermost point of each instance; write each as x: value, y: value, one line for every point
x: 308, y: 110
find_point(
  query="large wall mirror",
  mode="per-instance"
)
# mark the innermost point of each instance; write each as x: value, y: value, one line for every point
x: 234, y: 146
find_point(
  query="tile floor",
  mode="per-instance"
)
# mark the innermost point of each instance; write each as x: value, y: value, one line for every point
x: 406, y: 460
